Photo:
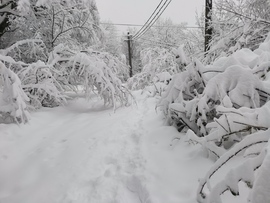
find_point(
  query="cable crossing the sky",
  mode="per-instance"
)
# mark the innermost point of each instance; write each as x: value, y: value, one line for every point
x: 149, y: 23
x: 149, y: 18
x: 137, y: 25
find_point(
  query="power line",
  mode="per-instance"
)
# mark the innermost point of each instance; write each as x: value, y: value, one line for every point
x: 147, y: 26
x: 149, y: 17
x: 154, y: 19
x: 162, y: 43
x: 138, y: 25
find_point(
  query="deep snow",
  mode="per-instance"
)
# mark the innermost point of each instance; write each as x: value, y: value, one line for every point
x: 84, y: 152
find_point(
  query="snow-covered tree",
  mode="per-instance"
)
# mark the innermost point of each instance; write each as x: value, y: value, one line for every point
x: 236, y: 25
x: 164, y: 34
x: 111, y: 41
x: 74, y: 22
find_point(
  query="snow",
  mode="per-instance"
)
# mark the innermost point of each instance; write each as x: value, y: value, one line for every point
x: 261, y: 186
x: 83, y: 152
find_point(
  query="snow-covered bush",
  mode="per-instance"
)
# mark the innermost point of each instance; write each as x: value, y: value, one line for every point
x: 95, y: 71
x: 44, y: 82
x: 41, y: 86
x: 254, y: 150
x: 28, y: 51
x: 37, y: 77
x: 13, y: 99
x: 225, y: 108
x: 236, y: 81
x: 159, y: 64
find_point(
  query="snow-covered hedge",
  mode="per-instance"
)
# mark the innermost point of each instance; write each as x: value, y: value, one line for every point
x: 220, y: 105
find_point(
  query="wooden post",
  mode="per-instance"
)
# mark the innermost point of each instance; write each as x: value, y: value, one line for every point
x: 208, y: 29
x: 129, y: 38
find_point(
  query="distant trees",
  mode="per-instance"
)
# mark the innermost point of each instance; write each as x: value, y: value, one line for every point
x: 111, y: 41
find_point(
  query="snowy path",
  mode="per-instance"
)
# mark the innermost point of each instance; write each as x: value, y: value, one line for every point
x: 84, y: 153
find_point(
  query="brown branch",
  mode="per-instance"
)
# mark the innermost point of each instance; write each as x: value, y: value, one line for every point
x: 250, y: 125
x: 221, y: 125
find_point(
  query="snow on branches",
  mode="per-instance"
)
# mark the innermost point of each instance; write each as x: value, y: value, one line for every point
x: 13, y: 103
x: 225, y: 108
x: 95, y: 71
x: 43, y: 83
x: 244, y: 172
x: 159, y: 64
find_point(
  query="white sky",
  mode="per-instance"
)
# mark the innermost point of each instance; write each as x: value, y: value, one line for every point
x: 138, y: 11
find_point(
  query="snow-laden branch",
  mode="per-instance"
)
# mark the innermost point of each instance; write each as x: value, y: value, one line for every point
x: 14, y: 98
x: 250, y: 140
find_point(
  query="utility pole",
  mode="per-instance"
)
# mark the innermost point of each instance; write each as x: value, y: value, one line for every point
x: 129, y: 38
x: 208, y: 28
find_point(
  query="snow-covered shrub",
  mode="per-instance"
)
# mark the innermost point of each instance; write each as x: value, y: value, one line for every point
x: 45, y: 83
x: 27, y: 51
x: 255, y: 156
x: 139, y: 81
x: 180, y: 57
x: 225, y: 107
x: 193, y: 96
x: 115, y: 63
x: 37, y: 78
x: 13, y: 100
x: 159, y: 64
x: 179, y: 100
x: 93, y: 72
x: 156, y: 60
x: 41, y: 86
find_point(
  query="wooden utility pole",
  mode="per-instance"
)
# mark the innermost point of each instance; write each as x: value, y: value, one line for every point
x: 208, y: 28
x: 129, y: 38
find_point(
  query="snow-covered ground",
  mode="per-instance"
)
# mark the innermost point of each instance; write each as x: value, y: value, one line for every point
x: 83, y: 153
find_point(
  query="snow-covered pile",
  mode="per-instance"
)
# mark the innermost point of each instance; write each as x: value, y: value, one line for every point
x: 220, y: 104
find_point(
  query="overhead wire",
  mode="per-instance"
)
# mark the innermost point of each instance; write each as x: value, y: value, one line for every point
x: 167, y: 44
x: 149, y: 18
x: 154, y: 19
x: 138, y: 25
x: 148, y: 25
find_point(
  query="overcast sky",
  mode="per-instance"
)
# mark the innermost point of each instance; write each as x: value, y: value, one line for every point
x: 138, y: 11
